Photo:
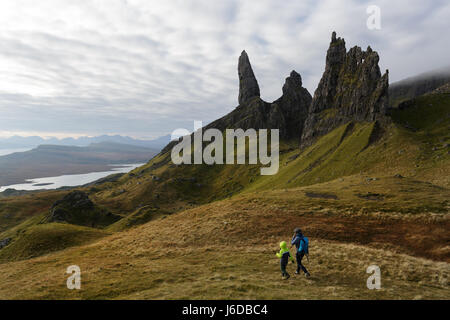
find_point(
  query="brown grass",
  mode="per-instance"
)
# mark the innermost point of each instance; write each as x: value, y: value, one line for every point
x: 226, y: 250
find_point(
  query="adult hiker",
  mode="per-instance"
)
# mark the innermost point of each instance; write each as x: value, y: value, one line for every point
x: 301, y: 243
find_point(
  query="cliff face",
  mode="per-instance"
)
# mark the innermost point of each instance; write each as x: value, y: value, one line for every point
x: 351, y: 89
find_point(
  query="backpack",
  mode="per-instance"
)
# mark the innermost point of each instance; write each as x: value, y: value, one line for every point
x: 304, y: 245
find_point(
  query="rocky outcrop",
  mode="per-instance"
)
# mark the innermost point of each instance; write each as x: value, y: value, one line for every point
x: 255, y: 114
x: 248, y: 85
x: 287, y: 113
x: 294, y: 105
x: 4, y: 242
x: 77, y: 208
x: 351, y: 89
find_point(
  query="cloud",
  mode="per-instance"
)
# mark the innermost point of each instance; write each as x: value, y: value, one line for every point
x: 144, y: 68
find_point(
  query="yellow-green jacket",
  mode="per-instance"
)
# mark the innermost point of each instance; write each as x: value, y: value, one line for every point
x: 284, y: 253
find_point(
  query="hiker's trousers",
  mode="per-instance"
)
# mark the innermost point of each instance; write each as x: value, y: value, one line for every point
x: 299, y: 257
x: 283, y: 266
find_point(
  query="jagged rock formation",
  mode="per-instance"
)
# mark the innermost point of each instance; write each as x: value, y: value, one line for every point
x: 248, y: 86
x: 77, y: 208
x: 287, y: 113
x: 351, y: 89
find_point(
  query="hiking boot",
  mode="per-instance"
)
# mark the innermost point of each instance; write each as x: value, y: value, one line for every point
x: 307, y: 275
x: 287, y: 277
x: 296, y: 272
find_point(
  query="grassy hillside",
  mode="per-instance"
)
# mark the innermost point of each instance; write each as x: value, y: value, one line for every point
x: 15, y: 210
x: 41, y: 239
x: 364, y: 194
x: 227, y: 250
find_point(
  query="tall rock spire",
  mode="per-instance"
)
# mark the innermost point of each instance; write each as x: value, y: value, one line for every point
x: 248, y: 86
x: 325, y: 92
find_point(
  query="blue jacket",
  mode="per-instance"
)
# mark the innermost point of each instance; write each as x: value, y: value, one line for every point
x: 300, y: 242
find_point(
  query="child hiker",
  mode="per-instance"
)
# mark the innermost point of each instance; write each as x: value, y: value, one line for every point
x: 284, y: 256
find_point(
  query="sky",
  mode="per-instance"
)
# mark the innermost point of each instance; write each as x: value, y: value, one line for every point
x: 145, y: 68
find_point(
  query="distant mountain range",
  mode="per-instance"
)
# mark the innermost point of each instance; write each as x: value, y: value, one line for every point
x: 34, y: 141
x: 52, y: 160
x: 415, y: 86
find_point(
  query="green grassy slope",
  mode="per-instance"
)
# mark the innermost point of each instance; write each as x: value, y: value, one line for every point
x: 350, y: 149
x: 41, y: 239
x: 15, y: 210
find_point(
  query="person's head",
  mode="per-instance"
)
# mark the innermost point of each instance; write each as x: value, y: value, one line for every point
x: 283, y: 245
x: 297, y: 231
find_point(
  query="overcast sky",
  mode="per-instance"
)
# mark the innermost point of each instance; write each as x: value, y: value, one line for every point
x: 144, y: 68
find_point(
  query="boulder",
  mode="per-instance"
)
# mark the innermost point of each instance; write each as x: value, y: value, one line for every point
x: 4, y: 242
